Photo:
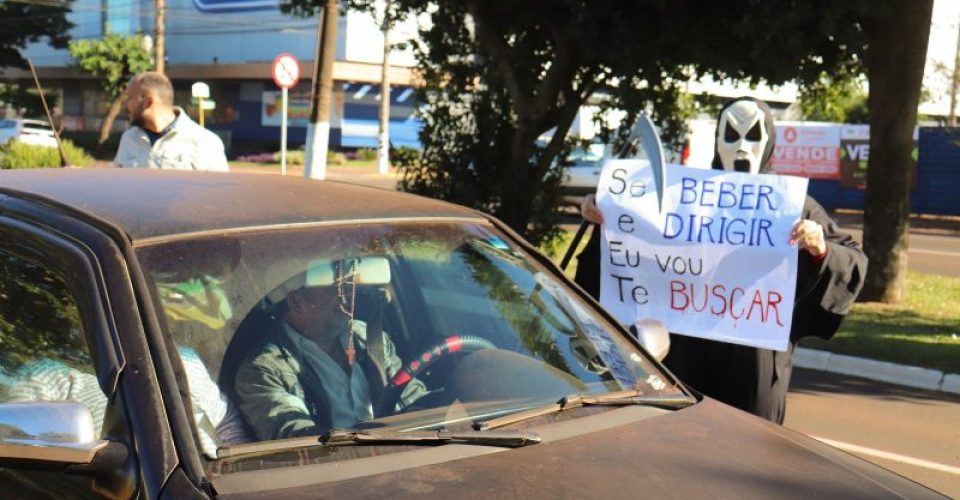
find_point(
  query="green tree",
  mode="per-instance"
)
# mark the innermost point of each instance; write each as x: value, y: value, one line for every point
x: 113, y: 59
x: 835, y: 98
x: 501, y: 74
x: 28, y: 22
x: 31, y: 22
x: 897, y: 32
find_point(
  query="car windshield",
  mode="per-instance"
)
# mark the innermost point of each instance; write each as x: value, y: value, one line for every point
x: 402, y: 326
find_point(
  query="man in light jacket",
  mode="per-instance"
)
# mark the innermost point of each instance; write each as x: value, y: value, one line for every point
x: 162, y: 135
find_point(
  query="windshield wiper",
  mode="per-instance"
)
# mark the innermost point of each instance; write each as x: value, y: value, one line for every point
x: 617, y: 398
x: 509, y: 439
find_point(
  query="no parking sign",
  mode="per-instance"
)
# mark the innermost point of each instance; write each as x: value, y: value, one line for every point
x: 286, y: 71
x: 286, y: 74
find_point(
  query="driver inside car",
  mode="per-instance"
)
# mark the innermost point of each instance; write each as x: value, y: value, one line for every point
x: 315, y: 369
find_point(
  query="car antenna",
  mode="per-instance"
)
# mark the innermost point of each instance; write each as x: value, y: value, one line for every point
x: 63, y: 157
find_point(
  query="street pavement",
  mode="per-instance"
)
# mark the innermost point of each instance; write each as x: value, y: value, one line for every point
x: 929, y: 253
x: 912, y: 432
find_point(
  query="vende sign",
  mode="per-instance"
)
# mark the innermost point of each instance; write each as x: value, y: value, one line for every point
x: 807, y: 150
x: 715, y: 264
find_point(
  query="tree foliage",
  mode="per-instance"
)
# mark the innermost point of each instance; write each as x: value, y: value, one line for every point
x: 501, y: 75
x: 113, y: 59
x: 38, y: 317
x: 27, y: 22
x: 839, y: 97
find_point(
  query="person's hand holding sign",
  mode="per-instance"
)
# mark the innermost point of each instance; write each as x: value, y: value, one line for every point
x: 589, y: 210
x: 808, y: 235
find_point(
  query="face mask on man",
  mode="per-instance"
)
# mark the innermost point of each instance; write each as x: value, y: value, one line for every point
x: 742, y: 137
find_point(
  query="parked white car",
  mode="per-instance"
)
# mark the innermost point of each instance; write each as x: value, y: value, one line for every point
x: 36, y: 132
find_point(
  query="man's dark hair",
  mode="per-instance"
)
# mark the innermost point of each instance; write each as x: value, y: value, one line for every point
x: 158, y: 83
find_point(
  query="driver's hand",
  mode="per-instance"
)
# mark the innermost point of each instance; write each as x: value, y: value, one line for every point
x: 589, y: 210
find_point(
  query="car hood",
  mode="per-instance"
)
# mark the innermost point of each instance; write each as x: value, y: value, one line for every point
x: 707, y: 450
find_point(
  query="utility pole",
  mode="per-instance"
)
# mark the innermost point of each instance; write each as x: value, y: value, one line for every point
x: 159, y: 50
x: 318, y: 129
x: 954, y: 83
x: 383, y: 146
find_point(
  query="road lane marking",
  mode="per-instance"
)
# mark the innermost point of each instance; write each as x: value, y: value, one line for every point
x: 852, y: 448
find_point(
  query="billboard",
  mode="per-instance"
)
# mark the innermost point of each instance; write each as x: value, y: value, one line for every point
x: 810, y: 150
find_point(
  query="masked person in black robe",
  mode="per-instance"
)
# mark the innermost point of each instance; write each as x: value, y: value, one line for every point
x: 830, y: 271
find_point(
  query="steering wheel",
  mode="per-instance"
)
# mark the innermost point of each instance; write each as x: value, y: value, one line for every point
x: 457, y: 343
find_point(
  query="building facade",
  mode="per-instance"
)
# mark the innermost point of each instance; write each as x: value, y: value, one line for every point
x: 230, y: 45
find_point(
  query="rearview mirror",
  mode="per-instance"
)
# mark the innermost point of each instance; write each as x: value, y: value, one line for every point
x: 369, y: 270
x: 362, y: 270
x: 653, y: 336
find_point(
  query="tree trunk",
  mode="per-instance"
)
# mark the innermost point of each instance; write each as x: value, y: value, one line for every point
x: 107, y: 124
x: 898, y: 36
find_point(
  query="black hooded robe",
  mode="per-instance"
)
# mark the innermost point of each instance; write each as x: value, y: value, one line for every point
x: 756, y: 380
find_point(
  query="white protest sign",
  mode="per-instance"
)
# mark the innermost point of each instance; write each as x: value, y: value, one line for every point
x: 715, y: 264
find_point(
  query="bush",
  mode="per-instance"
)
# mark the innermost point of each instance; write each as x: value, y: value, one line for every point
x: 404, y: 156
x: 367, y: 154
x: 294, y: 157
x: 16, y: 154
x: 336, y: 158
x: 256, y: 157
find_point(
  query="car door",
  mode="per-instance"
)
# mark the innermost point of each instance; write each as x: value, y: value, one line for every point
x: 51, y: 350
x: 145, y: 414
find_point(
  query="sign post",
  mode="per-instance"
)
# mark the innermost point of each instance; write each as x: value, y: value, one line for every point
x: 286, y: 74
x: 200, y: 91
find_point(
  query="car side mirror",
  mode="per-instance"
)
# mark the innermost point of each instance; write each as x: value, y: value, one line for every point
x: 653, y: 336
x: 56, y: 432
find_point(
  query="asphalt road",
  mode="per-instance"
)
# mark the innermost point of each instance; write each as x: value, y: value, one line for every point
x: 929, y: 253
x: 912, y: 432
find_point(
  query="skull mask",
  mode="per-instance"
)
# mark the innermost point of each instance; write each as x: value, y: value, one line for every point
x: 744, y: 137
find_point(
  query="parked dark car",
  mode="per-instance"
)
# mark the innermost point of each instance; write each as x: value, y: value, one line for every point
x: 133, y: 304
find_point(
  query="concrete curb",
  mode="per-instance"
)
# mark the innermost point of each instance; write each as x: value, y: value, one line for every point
x: 892, y: 373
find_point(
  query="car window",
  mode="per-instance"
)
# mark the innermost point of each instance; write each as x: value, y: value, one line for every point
x: 384, y: 325
x: 44, y: 355
x: 592, y: 153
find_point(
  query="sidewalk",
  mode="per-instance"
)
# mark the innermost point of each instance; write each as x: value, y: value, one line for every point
x: 881, y: 371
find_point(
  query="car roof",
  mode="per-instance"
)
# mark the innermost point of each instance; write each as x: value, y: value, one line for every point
x: 159, y: 204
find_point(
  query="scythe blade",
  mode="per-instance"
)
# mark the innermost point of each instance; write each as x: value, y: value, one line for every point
x: 644, y: 131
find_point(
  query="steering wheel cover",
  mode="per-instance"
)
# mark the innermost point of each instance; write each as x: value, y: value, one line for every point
x: 455, y: 343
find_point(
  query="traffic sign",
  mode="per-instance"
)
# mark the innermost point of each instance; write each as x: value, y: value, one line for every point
x: 286, y: 71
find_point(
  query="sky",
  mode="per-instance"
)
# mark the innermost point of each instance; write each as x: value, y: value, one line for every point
x: 941, y: 53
